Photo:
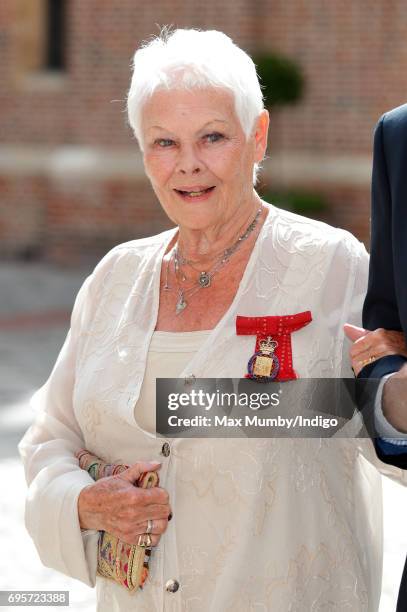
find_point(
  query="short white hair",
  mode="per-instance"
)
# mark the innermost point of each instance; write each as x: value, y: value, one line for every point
x: 194, y: 59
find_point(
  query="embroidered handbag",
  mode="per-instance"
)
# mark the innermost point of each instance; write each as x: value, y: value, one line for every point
x: 126, y: 564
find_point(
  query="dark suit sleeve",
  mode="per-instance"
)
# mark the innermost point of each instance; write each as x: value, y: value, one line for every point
x: 380, y: 307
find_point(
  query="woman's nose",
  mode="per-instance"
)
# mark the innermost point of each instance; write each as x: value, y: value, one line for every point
x: 188, y: 162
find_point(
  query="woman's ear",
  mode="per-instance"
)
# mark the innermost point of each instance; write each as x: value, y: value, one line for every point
x: 260, y: 135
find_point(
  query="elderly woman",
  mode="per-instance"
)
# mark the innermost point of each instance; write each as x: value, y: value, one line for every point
x: 258, y: 524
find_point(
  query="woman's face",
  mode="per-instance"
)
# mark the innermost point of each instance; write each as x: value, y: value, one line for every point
x: 193, y: 142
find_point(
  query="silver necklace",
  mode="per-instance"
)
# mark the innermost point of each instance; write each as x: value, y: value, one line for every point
x: 205, y: 276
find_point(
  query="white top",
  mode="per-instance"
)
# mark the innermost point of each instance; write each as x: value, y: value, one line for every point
x: 267, y: 524
x: 168, y: 354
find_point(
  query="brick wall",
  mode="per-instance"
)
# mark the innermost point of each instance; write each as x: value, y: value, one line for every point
x: 353, y: 55
x: 87, y: 107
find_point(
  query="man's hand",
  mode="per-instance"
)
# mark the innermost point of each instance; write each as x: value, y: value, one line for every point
x: 371, y: 345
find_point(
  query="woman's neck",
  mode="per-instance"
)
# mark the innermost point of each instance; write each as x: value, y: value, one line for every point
x: 207, y: 244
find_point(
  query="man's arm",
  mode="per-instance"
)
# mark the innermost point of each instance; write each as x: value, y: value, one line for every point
x: 380, y: 307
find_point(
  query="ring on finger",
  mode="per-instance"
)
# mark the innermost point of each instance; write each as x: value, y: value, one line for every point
x: 370, y: 359
x: 144, y: 540
x: 149, y: 526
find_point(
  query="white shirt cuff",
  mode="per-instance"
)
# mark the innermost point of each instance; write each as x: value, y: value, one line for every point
x: 384, y: 429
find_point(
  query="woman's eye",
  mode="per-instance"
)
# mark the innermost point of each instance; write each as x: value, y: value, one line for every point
x: 214, y: 137
x: 164, y: 142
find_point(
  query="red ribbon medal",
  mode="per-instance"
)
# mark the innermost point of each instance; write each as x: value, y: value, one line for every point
x: 272, y: 358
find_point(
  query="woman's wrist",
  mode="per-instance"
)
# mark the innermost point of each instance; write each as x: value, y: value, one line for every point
x: 85, y: 513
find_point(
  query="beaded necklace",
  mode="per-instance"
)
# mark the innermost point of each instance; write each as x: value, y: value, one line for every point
x: 205, y: 277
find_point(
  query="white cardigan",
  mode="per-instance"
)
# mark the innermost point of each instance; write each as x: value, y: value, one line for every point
x: 271, y: 524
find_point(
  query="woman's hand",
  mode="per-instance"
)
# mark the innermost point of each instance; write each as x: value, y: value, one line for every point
x: 114, y: 504
x: 371, y: 345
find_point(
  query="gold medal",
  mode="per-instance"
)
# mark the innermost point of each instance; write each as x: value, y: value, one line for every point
x: 264, y: 364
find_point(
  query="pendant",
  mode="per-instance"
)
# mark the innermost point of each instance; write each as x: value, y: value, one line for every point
x: 181, y: 304
x: 204, y: 279
x: 264, y: 365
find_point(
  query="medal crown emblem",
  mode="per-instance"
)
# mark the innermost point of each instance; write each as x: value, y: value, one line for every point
x: 268, y: 346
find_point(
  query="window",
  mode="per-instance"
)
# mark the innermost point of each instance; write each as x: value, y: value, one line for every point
x: 41, y: 34
x: 55, y: 29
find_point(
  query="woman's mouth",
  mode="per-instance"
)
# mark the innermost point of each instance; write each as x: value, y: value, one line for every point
x: 196, y: 193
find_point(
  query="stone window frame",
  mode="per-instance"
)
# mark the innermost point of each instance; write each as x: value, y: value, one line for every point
x: 34, y: 70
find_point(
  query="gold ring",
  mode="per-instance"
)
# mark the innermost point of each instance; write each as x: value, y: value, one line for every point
x: 149, y: 526
x: 144, y: 540
x: 370, y: 359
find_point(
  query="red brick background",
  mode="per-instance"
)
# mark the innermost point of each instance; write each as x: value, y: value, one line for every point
x: 353, y: 55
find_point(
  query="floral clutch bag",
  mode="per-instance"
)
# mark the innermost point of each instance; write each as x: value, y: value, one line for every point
x: 126, y: 564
